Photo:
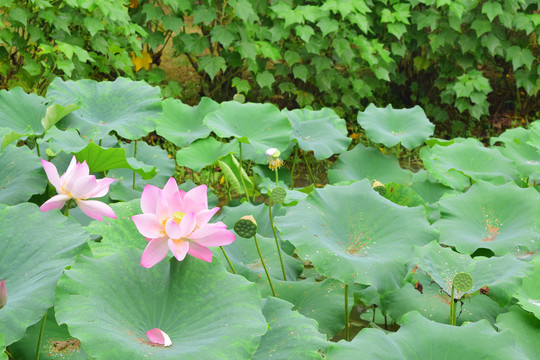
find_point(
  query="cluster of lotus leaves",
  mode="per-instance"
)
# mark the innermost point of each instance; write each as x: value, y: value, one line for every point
x: 474, y: 210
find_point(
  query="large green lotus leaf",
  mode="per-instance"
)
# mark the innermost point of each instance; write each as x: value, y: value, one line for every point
x: 35, y: 248
x: 101, y: 159
x: 434, y: 304
x: 204, y: 152
x: 457, y: 164
x: 520, y: 151
x: 502, y: 274
x: 362, y: 162
x: 430, y: 191
x: 322, y: 132
x: 109, y: 304
x: 57, y: 342
x: 22, y: 112
x: 390, y: 126
x: 290, y: 334
x: 152, y: 156
x: 529, y: 293
x: 131, y: 108
x: 115, y: 235
x: 352, y: 234
x: 182, y: 124
x: 500, y: 218
x: 420, y: 338
x: 320, y: 301
x: 21, y: 175
x: 259, y: 126
x: 525, y: 329
x: 68, y: 141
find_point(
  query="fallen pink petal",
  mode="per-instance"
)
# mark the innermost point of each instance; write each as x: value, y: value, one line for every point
x: 77, y: 184
x: 178, y: 221
x: 158, y: 336
x: 3, y: 294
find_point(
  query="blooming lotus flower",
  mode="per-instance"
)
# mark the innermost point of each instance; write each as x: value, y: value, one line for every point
x: 178, y: 221
x: 77, y: 184
x: 3, y: 294
x: 158, y: 336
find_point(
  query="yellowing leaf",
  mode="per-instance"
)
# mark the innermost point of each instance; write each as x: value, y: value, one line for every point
x: 143, y: 61
x: 133, y: 3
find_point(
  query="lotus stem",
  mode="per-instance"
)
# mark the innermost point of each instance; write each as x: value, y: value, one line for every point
x: 270, y: 204
x: 346, y: 312
x: 66, y: 212
x: 37, y: 148
x: 228, y: 260
x: 135, y: 156
x: 241, y: 167
x: 309, y: 169
x: 452, y: 308
x: 264, y: 265
x: 293, y: 165
x: 40, y: 335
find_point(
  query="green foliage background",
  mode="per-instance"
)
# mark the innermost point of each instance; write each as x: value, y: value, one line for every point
x: 459, y: 60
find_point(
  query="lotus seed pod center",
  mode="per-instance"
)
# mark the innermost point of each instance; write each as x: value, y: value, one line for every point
x: 178, y: 217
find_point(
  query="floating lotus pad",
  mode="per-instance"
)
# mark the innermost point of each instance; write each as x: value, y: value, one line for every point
x: 322, y: 132
x: 390, y: 126
x: 290, y: 334
x: 259, y: 126
x: 500, y: 218
x: 182, y: 124
x: 352, y: 234
x: 502, y: 274
x: 420, y: 338
x: 109, y: 304
x: 457, y: 164
x: 362, y: 162
x: 35, y: 248
x: 22, y: 175
x: 131, y: 108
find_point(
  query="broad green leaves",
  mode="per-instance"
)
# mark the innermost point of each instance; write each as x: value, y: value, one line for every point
x: 110, y: 303
x: 362, y: 162
x: 419, y: 338
x: 322, y: 132
x: 182, y: 124
x: 262, y: 126
x: 390, y: 126
x: 21, y: 175
x: 500, y: 218
x: 129, y: 108
x: 35, y: 249
x: 459, y: 163
x: 367, y: 241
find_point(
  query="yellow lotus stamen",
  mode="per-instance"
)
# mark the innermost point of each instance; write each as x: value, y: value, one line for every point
x: 178, y: 217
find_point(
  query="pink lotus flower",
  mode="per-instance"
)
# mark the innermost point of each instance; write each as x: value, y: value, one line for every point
x: 158, y: 336
x: 178, y: 221
x: 3, y: 294
x: 76, y: 183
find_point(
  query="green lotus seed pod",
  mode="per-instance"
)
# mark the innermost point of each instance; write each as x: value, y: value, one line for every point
x: 278, y: 195
x: 380, y: 189
x: 246, y: 227
x: 462, y: 282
